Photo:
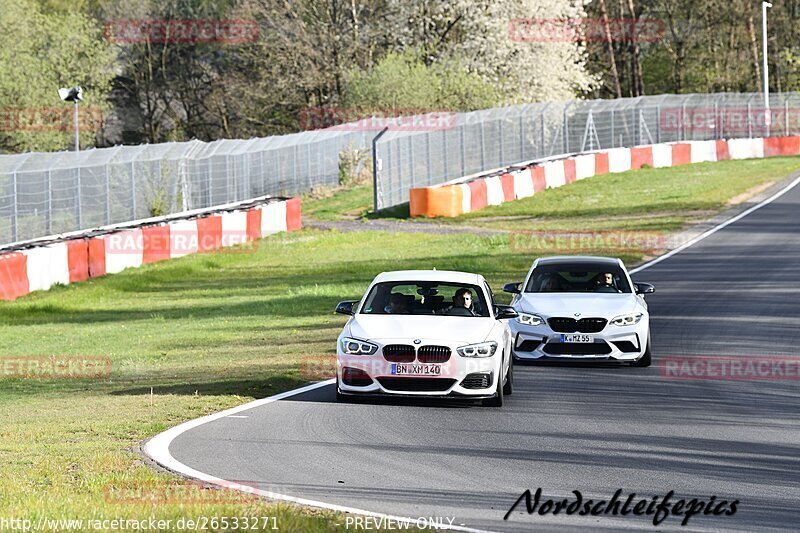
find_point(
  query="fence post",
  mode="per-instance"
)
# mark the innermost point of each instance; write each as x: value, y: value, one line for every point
x: 483, y: 149
x: 786, y: 117
x: 500, y: 143
x: 613, y: 116
x: 15, y: 214
x: 444, y: 155
x: 683, y: 121
x: 49, y: 216
x: 133, y: 193
x: 294, y: 169
x: 658, y: 124
x: 375, y: 168
x: 521, y: 139
x: 428, y: 156
x: 78, y: 201
x: 308, y: 166
x: 410, y: 161
x: 463, y: 149
x: 543, y: 139
x: 749, y: 122
x: 108, y: 197
x: 565, y: 125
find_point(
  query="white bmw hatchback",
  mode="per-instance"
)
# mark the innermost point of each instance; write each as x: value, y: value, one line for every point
x: 580, y: 308
x: 426, y: 333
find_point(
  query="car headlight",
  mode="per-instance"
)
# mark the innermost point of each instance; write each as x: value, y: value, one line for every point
x: 357, y: 347
x: 530, y: 320
x: 482, y: 349
x: 627, y: 320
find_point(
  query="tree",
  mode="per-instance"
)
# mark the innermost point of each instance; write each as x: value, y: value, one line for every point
x: 42, y: 52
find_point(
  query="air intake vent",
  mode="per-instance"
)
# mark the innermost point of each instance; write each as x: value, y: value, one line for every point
x: 576, y: 348
x: 477, y: 380
x: 416, y: 384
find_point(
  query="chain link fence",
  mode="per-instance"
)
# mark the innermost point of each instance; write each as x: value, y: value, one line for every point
x: 495, y: 138
x: 52, y: 193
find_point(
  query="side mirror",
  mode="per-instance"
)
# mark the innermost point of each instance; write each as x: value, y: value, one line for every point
x: 513, y: 288
x: 346, y: 308
x: 504, y: 311
x: 644, y: 288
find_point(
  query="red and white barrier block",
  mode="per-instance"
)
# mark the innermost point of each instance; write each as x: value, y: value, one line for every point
x: 40, y: 267
x: 464, y: 196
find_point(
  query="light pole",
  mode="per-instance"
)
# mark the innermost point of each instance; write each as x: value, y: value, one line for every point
x: 75, y: 94
x: 767, y: 114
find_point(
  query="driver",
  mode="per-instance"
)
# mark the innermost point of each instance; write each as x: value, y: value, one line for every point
x: 605, y: 282
x: 397, y: 305
x: 462, y: 298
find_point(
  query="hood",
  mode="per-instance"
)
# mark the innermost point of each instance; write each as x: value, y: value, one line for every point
x: 587, y: 304
x: 425, y: 327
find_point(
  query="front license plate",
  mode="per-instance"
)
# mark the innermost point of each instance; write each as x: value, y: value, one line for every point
x: 577, y: 337
x: 416, y: 370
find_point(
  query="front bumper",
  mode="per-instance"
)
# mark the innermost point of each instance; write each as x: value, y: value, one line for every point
x: 460, y: 377
x: 624, y: 344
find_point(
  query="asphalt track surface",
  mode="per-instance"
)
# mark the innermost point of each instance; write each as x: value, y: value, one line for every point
x: 735, y: 293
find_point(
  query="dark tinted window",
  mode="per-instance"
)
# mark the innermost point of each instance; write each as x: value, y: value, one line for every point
x: 425, y: 298
x: 578, y: 277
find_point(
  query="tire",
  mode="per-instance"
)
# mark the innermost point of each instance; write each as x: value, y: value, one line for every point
x: 647, y: 357
x: 508, y: 388
x: 340, y: 398
x: 497, y: 399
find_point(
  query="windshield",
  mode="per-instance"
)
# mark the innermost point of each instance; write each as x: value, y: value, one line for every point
x: 579, y: 277
x: 425, y: 298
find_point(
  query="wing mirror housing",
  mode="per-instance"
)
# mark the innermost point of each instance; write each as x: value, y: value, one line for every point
x: 502, y: 312
x: 513, y: 288
x: 346, y: 307
x: 644, y: 288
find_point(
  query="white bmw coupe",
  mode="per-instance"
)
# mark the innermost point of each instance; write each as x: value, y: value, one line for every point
x: 426, y: 333
x: 580, y: 308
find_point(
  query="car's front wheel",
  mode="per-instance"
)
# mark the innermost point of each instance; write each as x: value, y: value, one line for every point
x: 341, y: 398
x: 508, y: 388
x: 647, y: 357
x: 497, y: 399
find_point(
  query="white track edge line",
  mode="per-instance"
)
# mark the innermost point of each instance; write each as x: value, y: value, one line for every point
x: 711, y: 231
x: 157, y: 448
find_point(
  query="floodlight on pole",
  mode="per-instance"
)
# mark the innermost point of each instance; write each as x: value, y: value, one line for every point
x: 73, y: 94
